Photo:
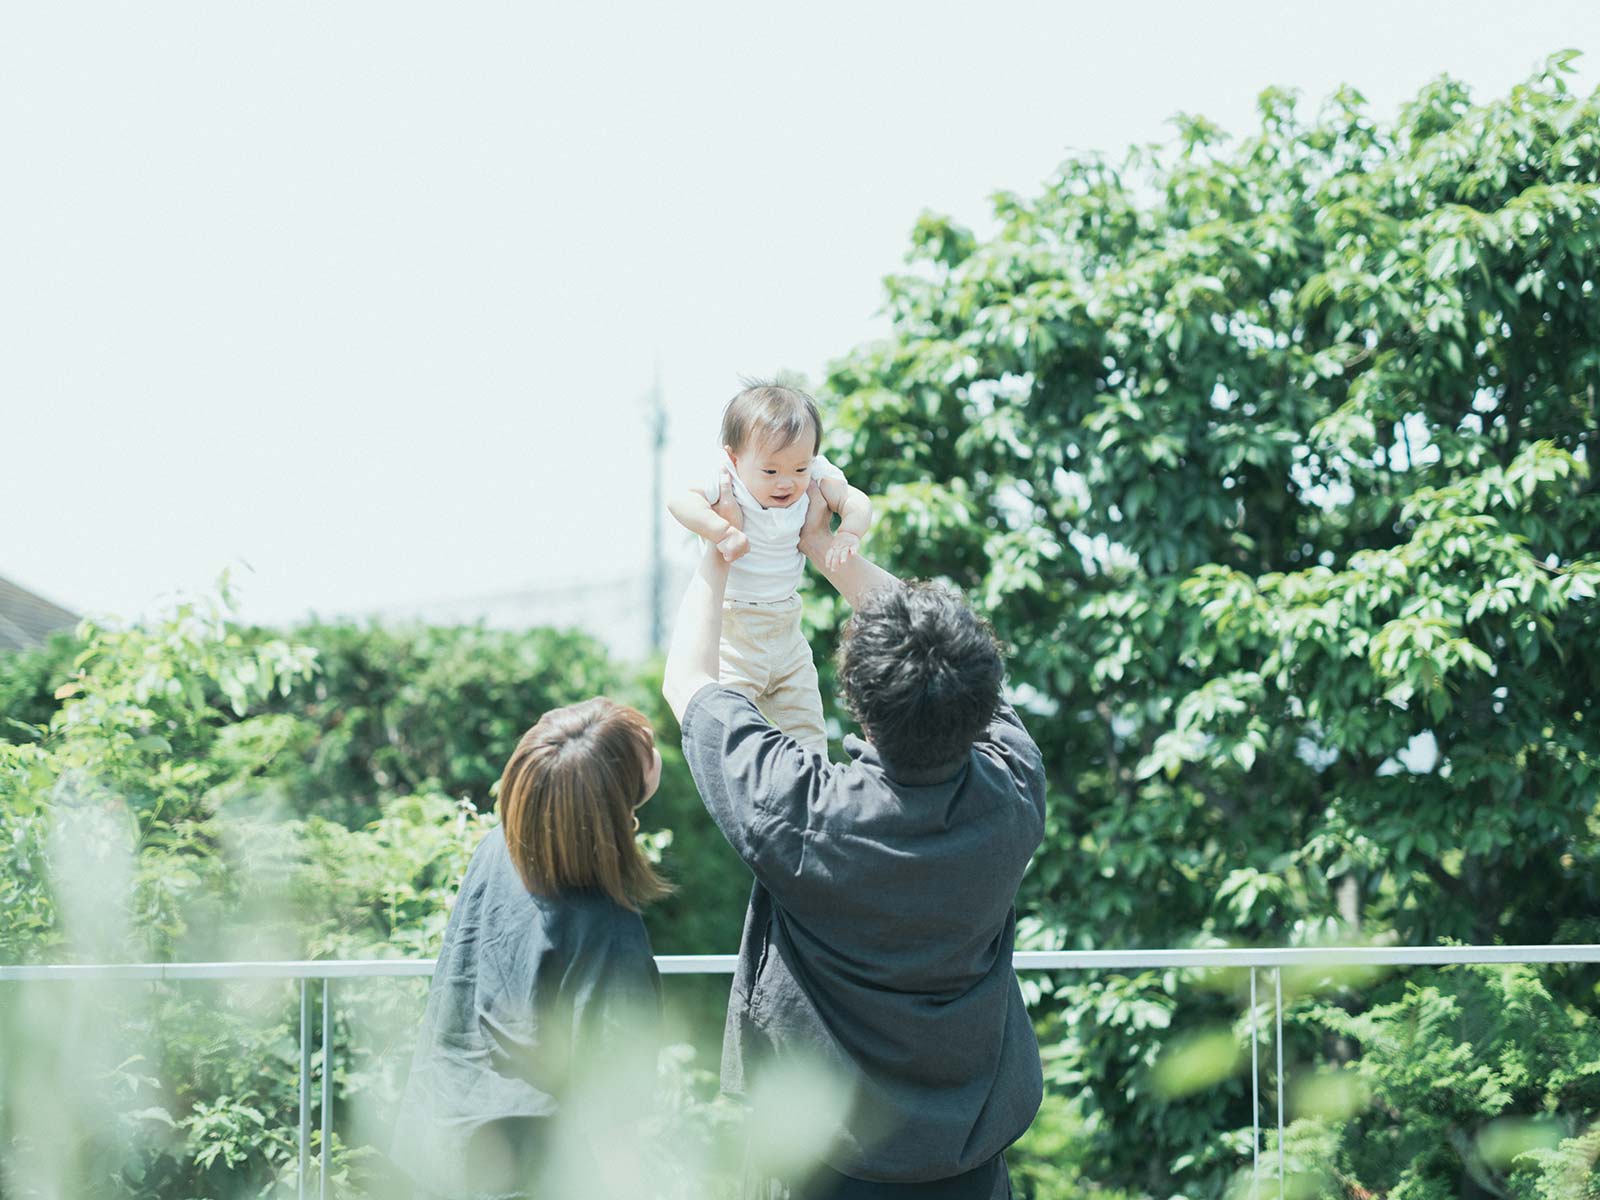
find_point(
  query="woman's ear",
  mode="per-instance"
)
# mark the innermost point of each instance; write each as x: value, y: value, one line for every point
x: 652, y: 777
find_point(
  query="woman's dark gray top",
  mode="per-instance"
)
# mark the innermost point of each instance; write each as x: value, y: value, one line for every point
x: 880, y: 931
x: 530, y: 997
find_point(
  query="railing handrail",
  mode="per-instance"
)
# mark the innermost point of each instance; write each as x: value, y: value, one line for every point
x: 723, y: 964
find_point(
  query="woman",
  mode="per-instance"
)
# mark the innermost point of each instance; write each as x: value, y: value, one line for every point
x: 537, y: 1038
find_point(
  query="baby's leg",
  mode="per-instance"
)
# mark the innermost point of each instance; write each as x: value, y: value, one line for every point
x: 742, y: 661
x: 764, y: 655
x: 793, y: 700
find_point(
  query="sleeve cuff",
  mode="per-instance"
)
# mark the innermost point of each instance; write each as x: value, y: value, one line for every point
x: 692, y: 709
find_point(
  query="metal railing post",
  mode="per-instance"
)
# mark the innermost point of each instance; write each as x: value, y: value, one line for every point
x: 1255, y: 1096
x: 1277, y: 979
x: 327, y: 1089
x: 305, y: 1084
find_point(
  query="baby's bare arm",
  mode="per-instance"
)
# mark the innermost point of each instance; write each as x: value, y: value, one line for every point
x: 721, y: 523
x: 854, y: 576
x: 693, y: 511
x: 852, y: 504
x: 855, y: 518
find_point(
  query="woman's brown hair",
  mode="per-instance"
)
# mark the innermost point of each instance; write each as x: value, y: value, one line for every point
x: 567, y: 798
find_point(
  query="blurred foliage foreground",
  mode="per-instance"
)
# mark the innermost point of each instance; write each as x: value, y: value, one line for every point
x: 1272, y: 461
x: 203, y: 792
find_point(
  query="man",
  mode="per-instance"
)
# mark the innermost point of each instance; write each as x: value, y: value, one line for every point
x: 880, y: 930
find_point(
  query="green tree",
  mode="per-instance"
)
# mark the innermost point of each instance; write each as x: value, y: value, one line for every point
x: 420, y: 707
x: 28, y: 680
x: 1272, y: 461
x: 1474, y: 1078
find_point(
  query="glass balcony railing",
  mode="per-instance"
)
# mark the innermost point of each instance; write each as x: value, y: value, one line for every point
x: 1251, y: 985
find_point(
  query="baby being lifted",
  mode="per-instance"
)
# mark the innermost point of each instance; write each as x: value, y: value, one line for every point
x: 771, y: 436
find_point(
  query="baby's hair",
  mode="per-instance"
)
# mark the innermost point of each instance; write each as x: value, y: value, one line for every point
x: 772, y: 413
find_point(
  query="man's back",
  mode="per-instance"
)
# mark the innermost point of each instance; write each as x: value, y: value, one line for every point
x: 879, y: 937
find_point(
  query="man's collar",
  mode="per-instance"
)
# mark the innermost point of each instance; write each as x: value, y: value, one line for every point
x: 902, y: 773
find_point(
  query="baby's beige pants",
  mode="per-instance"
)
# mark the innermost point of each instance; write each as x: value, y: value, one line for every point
x: 765, y: 656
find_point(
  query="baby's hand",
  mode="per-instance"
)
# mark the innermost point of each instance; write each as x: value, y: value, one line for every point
x: 841, y: 550
x: 734, y: 545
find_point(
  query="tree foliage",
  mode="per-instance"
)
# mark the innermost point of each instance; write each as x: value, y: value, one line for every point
x: 1479, y: 1075
x: 1272, y: 460
x: 416, y: 707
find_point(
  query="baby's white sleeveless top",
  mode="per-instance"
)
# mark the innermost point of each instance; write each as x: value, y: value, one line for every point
x: 772, y: 569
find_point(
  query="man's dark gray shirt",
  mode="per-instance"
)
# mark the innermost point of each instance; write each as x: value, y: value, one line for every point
x: 880, y: 929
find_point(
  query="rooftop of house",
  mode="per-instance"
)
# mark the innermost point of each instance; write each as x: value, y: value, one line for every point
x: 27, y: 619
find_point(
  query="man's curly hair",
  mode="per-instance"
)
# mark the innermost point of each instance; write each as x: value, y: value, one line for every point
x: 921, y: 672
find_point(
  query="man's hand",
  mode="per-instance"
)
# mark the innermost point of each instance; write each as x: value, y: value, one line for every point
x: 855, y: 575
x: 726, y: 504
x: 841, y: 549
x: 692, y: 656
x: 733, y: 544
x: 814, y: 535
x: 829, y: 551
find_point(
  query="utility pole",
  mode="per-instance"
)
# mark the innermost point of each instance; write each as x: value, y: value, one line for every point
x: 658, y: 566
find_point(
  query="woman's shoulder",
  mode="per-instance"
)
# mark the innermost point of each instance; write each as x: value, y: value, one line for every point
x: 588, y: 917
x: 596, y: 911
x: 492, y: 859
x: 597, y: 926
x: 489, y: 863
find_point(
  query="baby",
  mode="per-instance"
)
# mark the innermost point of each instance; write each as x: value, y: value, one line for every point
x: 770, y: 441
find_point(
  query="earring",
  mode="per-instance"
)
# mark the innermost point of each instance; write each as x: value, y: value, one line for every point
x: 636, y: 822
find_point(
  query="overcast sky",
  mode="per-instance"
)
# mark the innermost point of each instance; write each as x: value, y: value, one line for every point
x: 368, y: 296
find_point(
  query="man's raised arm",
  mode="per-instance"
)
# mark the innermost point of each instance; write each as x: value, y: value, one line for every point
x: 692, y: 656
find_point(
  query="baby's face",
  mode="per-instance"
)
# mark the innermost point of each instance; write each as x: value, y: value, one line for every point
x: 777, y: 476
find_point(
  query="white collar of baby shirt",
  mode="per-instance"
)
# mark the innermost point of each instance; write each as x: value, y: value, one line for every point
x: 773, y: 567
x: 771, y: 523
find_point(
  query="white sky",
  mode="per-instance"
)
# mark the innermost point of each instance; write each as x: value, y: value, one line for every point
x: 367, y: 296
